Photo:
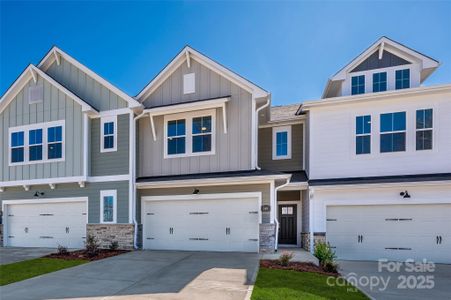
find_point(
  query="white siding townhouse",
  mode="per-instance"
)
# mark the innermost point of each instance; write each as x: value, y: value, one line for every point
x: 199, y: 160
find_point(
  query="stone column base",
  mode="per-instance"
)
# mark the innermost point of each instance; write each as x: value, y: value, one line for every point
x: 105, y: 234
x: 305, y: 240
x: 267, y: 238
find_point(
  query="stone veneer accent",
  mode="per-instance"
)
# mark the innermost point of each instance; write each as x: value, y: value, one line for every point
x: 107, y: 233
x: 267, y: 238
x: 305, y: 240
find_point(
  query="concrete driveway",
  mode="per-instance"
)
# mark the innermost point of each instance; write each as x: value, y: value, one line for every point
x: 146, y: 275
x: 393, y: 281
x: 12, y: 254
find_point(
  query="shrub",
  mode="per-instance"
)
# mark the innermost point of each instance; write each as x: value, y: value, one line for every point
x: 91, y: 245
x: 326, y: 257
x: 62, y: 250
x: 285, y: 258
x: 114, y: 245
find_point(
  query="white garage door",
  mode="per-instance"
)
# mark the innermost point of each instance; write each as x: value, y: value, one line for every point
x: 394, y: 232
x: 201, y: 225
x: 46, y: 224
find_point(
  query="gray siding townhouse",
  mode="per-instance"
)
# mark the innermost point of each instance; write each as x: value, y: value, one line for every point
x: 65, y: 165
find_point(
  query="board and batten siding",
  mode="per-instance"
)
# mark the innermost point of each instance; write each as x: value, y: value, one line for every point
x: 115, y: 162
x: 55, y: 106
x: 265, y: 145
x: 91, y: 190
x: 233, y: 149
x: 263, y: 188
x: 85, y: 87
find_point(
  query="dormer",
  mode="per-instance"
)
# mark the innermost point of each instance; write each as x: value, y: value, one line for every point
x: 384, y: 66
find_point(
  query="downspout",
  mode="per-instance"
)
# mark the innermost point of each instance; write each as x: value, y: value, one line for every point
x: 275, y: 212
x: 133, y: 154
x: 256, y: 133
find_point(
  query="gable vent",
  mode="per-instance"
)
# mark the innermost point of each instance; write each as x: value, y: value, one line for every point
x: 35, y: 94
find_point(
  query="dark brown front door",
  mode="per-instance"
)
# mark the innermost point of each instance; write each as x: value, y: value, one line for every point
x: 287, y: 220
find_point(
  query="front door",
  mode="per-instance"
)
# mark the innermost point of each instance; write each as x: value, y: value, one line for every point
x: 288, y: 224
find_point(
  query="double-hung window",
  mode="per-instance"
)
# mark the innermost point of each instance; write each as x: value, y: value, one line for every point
x: 393, y: 132
x: 424, y: 125
x: 108, y: 206
x: 17, y: 147
x: 35, y: 142
x: 358, y: 85
x: 380, y: 82
x: 55, y: 142
x: 281, y: 148
x: 363, y: 134
x: 190, y: 134
x: 202, y: 134
x: 108, y: 134
x: 402, y: 78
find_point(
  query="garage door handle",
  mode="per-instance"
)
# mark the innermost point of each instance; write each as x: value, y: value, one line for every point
x: 67, y: 229
x: 438, y: 239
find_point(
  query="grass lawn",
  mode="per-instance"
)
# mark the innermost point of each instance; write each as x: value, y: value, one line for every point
x: 31, y: 268
x: 275, y: 284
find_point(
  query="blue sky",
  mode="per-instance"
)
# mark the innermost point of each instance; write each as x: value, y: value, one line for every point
x: 288, y: 48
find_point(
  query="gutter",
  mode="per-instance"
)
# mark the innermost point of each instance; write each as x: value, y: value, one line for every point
x: 275, y: 212
x: 133, y: 175
x: 256, y: 125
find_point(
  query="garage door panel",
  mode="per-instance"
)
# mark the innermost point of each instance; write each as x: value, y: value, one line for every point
x: 202, y: 225
x: 395, y: 232
x: 47, y: 224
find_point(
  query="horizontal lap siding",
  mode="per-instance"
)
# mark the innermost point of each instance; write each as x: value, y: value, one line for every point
x: 91, y: 190
x: 115, y: 162
x: 265, y: 144
x: 233, y: 149
x: 55, y: 106
x: 84, y: 86
x: 263, y: 188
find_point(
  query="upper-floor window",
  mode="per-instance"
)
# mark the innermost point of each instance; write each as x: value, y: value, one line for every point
x: 189, y: 83
x: 108, y: 206
x: 281, y: 142
x: 424, y: 125
x: 37, y: 143
x: 108, y: 135
x: 393, y: 132
x: 380, y: 82
x: 17, y: 147
x: 190, y: 134
x: 402, y: 78
x: 176, y: 137
x: 55, y: 142
x: 363, y: 134
x: 358, y: 85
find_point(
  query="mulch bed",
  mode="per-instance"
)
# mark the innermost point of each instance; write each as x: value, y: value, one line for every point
x: 81, y: 254
x: 295, y: 266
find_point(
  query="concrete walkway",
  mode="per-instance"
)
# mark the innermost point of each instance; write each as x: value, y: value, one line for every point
x: 146, y: 275
x: 300, y: 255
x: 10, y: 255
x: 403, y: 283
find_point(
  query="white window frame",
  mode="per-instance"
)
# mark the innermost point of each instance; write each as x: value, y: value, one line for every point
x: 189, y: 83
x: 275, y: 130
x: 103, y: 120
x: 424, y: 129
x: 106, y: 193
x: 26, y: 129
x: 188, y: 117
x: 363, y: 134
x: 393, y: 132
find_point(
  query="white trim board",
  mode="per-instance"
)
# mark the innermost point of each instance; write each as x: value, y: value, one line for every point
x: 108, y: 193
x: 52, y: 55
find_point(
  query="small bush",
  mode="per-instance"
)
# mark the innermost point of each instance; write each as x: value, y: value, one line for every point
x: 326, y: 257
x: 62, y: 250
x: 91, y: 245
x: 285, y: 258
x: 114, y: 245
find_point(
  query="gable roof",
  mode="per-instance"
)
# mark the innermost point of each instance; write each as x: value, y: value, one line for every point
x: 384, y: 44
x: 55, y: 54
x: 31, y: 72
x: 284, y: 112
x: 185, y: 55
